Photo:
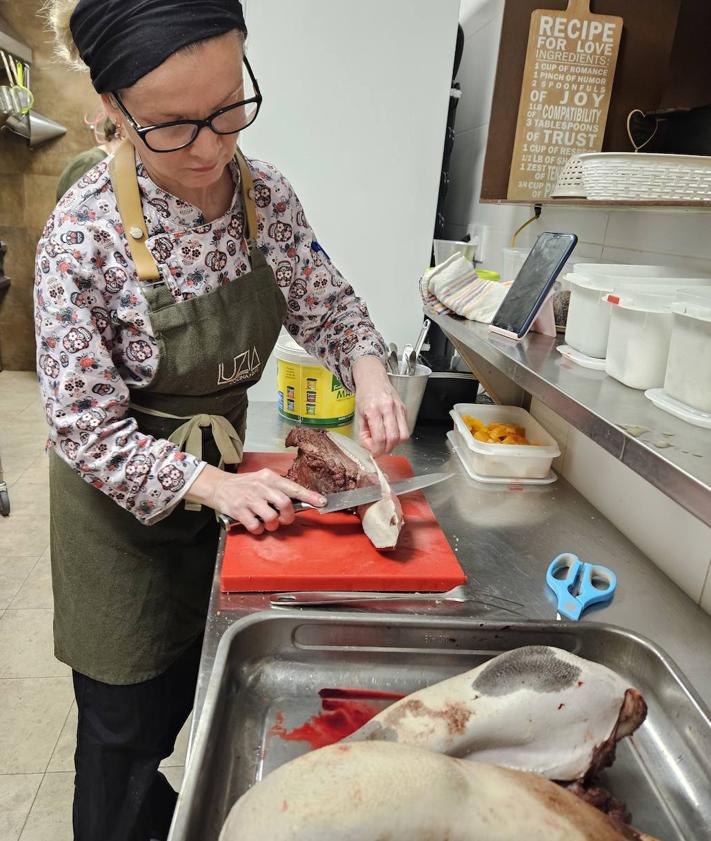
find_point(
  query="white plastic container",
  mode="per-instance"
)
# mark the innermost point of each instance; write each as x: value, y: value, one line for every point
x: 588, y: 326
x: 640, y: 332
x: 688, y: 374
x: 505, y: 460
x: 444, y: 248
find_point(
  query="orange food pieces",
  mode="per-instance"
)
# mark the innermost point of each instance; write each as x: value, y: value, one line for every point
x: 497, y: 432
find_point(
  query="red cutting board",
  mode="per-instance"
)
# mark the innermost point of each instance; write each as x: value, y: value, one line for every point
x: 330, y: 551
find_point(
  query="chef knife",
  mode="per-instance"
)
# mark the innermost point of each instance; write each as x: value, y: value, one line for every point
x: 360, y: 496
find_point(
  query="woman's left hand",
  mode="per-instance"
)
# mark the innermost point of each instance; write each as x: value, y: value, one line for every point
x: 380, y: 412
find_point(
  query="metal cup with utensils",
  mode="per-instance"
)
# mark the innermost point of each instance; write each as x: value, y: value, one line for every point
x: 411, y: 388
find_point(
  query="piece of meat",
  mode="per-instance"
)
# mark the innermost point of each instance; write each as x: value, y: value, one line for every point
x: 599, y: 797
x: 536, y: 708
x: 378, y: 791
x: 321, y: 465
x: 328, y: 462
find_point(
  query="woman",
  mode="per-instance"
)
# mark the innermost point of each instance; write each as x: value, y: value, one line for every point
x: 158, y: 272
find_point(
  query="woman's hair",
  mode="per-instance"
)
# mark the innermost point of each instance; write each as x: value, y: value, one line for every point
x: 57, y: 14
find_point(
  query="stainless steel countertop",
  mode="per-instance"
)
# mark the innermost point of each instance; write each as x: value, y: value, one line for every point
x: 599, y: 406
x: 505, y: 540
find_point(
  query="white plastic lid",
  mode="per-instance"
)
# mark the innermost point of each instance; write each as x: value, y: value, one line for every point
x: 701, y: 312
x: 696, y: 295
x: 583, y: 282
x: 618, y: 283
x: 630, y: 270
x: 675, y: 407
x: 288, y: 350
x: 644, y: 301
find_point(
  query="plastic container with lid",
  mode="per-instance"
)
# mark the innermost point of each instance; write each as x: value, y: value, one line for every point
x: 640, y: 332
x: 688, y: 374
x: 588, y: 324
x: 505, y: 460
x: 306, y: 391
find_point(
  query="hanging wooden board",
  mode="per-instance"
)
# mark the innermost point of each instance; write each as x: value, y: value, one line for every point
x: 565, y: 94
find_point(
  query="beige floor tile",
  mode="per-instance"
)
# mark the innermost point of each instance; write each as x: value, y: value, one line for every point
x: 17, y: 793
x: 12, y: 469
x: 11, y: 405
x: 32, y: 714
x: 34, y: 411
x: 13, y: 574
x: 178, y: 756
x: 36, y: 473
x: 36, y: 590
x: 27, y: 647
x: 30, y: 498
x: 174, y: 774
x: 63, y: 756
x: 51, y: 816
x: 26, y: 530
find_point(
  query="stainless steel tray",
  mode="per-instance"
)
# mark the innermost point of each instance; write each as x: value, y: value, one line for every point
x: 269, y: 664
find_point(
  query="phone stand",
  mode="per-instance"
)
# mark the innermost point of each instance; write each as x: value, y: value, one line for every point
x: 545, y: 320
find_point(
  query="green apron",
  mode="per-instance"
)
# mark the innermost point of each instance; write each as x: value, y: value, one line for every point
x: 130, y: 599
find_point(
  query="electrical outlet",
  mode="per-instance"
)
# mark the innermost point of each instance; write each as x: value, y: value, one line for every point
x: 480, y: 235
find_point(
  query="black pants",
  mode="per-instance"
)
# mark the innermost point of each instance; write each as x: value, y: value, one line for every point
x: 123, y: 735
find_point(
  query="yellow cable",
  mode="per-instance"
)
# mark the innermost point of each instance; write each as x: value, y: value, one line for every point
x: 536, y: 215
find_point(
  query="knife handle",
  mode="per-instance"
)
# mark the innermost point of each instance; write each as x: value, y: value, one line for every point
x: 231, y: 525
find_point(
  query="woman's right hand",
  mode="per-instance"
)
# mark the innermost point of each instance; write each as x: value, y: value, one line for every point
x: 259, y: 501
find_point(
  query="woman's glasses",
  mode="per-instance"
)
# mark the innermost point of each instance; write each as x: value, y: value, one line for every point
x: 177, y: 134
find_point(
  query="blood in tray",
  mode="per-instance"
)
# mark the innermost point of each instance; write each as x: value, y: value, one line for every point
x: 343, y: 711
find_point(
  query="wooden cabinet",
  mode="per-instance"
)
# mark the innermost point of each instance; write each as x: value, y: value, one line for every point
x: 663, y: 62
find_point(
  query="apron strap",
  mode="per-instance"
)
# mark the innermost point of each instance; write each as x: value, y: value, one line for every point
x: 188, y: 437
x: 122, y: 169
x: 250, y: 208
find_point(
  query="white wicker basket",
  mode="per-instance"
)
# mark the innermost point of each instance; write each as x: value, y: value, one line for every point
x: 625, y: 176
x: 570, y: 181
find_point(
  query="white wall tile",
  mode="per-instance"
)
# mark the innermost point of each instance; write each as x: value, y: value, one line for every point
x: 628, y: 255
x: 672, y: 538
x: 589, y: 225
x: 556, y: 426
x: 685, y: 234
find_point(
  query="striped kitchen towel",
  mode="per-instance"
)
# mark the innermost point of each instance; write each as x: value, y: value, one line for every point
x: 455, y: 287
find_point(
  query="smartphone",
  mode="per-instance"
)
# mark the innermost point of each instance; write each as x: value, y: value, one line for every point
x: 533, y: 284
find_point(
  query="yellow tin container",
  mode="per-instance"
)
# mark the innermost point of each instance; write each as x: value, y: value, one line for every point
x: 306, y: 391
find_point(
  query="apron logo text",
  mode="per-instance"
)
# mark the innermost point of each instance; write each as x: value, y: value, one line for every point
x: 244, y: 366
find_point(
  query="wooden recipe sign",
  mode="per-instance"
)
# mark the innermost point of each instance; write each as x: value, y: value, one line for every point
x: 565, y: 95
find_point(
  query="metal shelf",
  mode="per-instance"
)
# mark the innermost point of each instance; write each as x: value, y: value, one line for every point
x: 658, y: 205
x: 672, y: 455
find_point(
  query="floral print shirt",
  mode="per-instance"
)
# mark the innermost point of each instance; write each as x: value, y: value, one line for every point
x: 94, y: 338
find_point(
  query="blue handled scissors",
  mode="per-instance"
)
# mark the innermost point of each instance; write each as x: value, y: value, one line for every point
x: 578, y: 585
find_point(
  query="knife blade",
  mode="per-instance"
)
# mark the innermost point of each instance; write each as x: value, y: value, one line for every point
x: 372, y: 493
x: 360, y: 496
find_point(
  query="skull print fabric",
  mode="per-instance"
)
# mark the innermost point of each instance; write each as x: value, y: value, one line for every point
x: 94, y: 337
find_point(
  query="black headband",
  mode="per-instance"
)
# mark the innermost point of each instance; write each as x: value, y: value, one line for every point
x: 122, y: 40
